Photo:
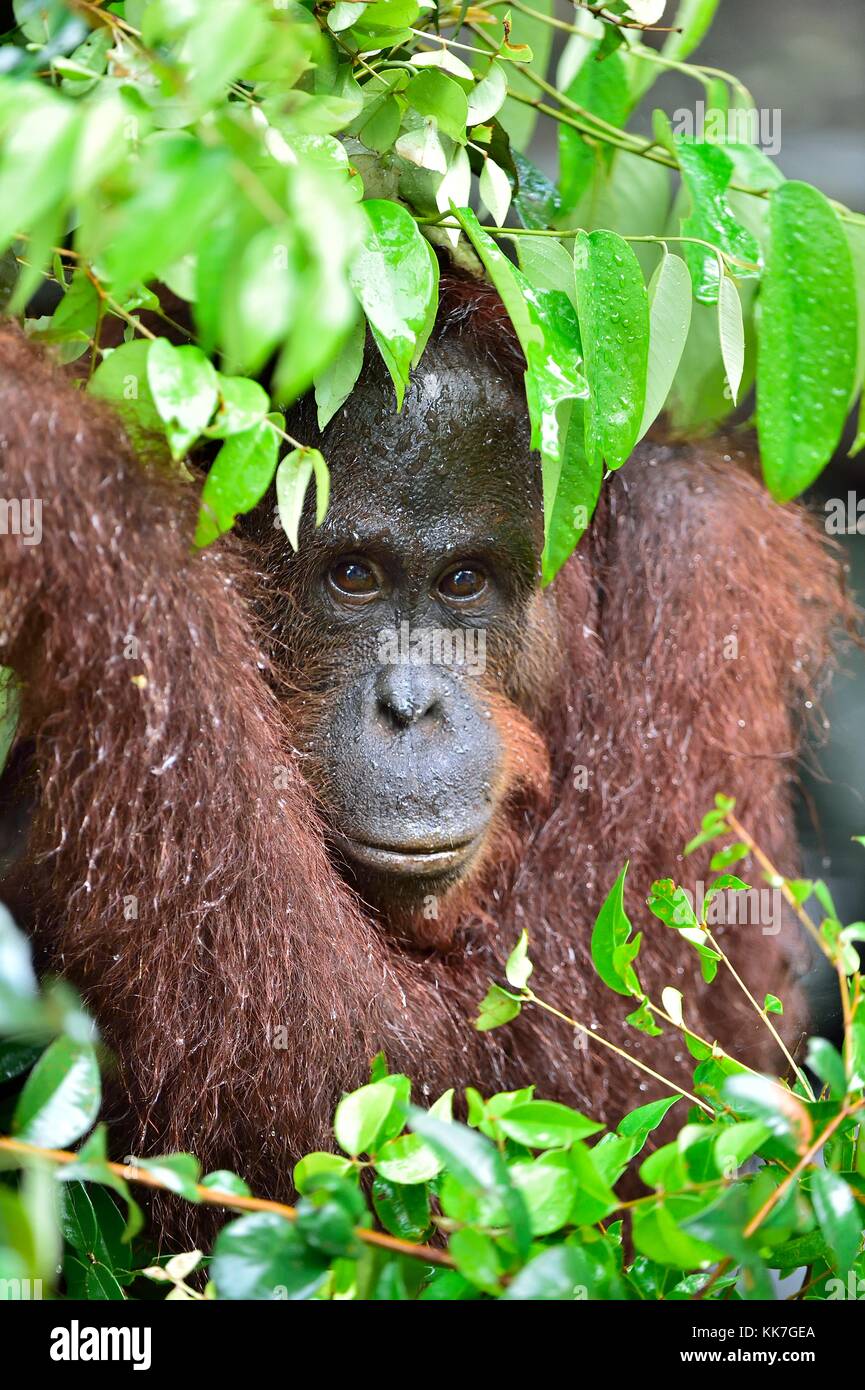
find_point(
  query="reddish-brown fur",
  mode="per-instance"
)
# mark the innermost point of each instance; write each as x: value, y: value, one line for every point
x: 163, y: 792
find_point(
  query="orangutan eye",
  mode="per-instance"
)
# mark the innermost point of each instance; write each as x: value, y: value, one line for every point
x: 461, y: 583
x: 354, y: 581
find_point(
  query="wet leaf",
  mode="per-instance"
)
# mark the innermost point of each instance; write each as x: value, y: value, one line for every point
x: 613, y: 311
x: 806, y: 355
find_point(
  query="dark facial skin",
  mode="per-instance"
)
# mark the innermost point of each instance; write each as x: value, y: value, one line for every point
x: 414, y: 600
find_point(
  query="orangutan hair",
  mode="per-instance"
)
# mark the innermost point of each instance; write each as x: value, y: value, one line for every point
x: 168, y: 783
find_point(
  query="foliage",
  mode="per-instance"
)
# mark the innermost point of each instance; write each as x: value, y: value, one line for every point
x: 283, y: 172
x: 764, y: 1177
x: 285, y: 169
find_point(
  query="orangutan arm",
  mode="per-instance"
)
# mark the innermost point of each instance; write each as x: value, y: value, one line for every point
x: 177, y: 870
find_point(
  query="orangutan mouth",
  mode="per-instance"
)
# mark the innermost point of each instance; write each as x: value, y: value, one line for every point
x: 407, y: 859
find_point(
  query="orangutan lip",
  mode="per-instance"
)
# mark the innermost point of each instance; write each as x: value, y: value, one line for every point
x: 408, y: 860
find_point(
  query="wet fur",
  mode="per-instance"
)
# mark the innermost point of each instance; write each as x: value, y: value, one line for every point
x: 183, y: 792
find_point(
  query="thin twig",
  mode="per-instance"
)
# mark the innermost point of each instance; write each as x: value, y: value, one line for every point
x: 800, y: 1075
x: 211, y: 1197
x: 531, y: 998
x: 778, y: 880
x: 774, y: 1197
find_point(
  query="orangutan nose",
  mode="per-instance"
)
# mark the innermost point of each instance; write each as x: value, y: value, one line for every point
x: 407, y: 695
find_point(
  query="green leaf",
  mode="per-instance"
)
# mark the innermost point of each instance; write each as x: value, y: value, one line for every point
x: 394, y: 282
x: 447, y: 1286
x: 261, y: 1257
x: 643, y: 1020
x: 504, y: 276
x: 658, y: 1233
x: 103, y: 1285
x: 219, y: 46
x: 671, y: 1001
x: 17, y: 977
x: 642, y: 1121
x: 477, y: 1258
x: 242, y: 404
x: 731, y: 332
x: 494, y: 187
x: 407, y: 1160
x: 486, y: 97
x: 545, y: 1124
x: 536, y: 203
x: 857, y: 1056
x: 17, y: 1057
x: 91, y: 1166
x: 736, y: 1144
x: 518, y: 969
x: 557, y: 397
x: 731, y: 855
x: 837, y: 1216
x: 496, y: 1008
x: 669, y: 321
x: 334, y: 385
x: 326, y: 1219
x: 806, y: 350
x: 575, y: 494
x: 432, y: 310
x: 783, y: 1114
x: 223, y: 1180
x: 612, y: 1154
x: 121, y: 379
x: 827, y: 1063
x: 613, y: 311
x: 183, y: 385
x: 689, y: 27
x: 389, y: 14
x: 548, y: 332
x: 292, y: 480
x: 423, y: 147
x: 239, y: 477
x: 180, y: 187
x: 547, y: 264
x: 772, y: 1004
x: 382, y: 128
x: 403, y: 1209
x: 10, y: 708
x: 595, y: 1198
x: 312, y: 1167
x: 800, y: 1251
x: 706, y: 171
x: 721, y: 1223
x: 603, y: 89
x: 75, y: 316
x: 433, y: 93
x: 37, y: 161
x: 477, y: 1166
x: 562, y: 1273
x: 61, y: 1096
x: 178, y: 1173
x: 672, y: 905
x: 612, y: 950
x: 260, y: 296
x: 361, y: 1116
x: 549, y: 1188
